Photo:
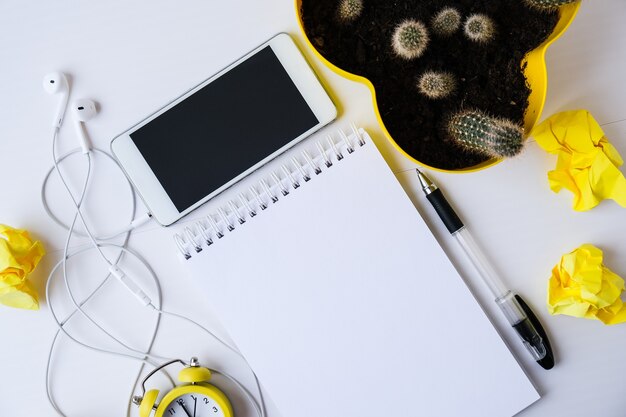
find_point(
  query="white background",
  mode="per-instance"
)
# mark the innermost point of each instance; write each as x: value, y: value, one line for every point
x: 134, y: 57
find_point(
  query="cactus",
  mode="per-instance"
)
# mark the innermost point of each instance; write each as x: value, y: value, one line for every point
x: 349, y: 10
x: 446, y: 22
x: 434, y: 84
x: 548, y: 4
x: 479, y: 28
x: 474, y: 130
x: 410, y: 39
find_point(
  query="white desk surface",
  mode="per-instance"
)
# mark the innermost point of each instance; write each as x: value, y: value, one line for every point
x: 134, y: 57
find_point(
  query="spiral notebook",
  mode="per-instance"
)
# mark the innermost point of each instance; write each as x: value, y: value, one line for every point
x: 330, y: 283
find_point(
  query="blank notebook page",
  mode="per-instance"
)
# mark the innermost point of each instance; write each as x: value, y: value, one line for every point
x: 345, y: 305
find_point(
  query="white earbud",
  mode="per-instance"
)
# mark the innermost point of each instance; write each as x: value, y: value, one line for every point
x: 56, y: 83
x: 84, y: 110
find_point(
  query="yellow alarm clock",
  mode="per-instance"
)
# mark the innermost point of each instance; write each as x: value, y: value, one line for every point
x: 195, y: 398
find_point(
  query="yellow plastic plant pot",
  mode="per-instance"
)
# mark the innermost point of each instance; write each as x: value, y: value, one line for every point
x: 535, y: 71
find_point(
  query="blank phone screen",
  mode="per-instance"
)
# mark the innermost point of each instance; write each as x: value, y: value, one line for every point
x: 231, y: 124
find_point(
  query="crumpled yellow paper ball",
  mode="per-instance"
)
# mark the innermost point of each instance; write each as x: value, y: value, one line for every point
x: 587, y: 163
x: 19, y: 256
x: 581, y: 286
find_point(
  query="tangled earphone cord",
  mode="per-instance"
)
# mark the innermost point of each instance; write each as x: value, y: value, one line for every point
x: 118, y: 233
x: 76, y: 205
x: 123, y: 249
x: 145, y: 357
x: 84, y: 313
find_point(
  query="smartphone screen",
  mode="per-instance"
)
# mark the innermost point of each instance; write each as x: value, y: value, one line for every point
x: 231, y: 124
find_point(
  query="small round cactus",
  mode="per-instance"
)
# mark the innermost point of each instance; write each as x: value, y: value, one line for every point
x: 435, y: 85
x: 410, y: 39
x: 446, y: 22
x: 548, y: 4
x: 474, y: 130
x: 349, y: 10
x: 479, y: 28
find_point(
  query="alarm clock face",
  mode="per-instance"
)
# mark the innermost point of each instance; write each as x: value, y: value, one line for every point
x: 194, y: 405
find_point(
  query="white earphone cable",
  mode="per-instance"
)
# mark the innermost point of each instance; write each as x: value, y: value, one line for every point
x: 84, y: 313
x: 61, y: 326
x: 133, y: 223
x: 63, y: 262
x: 143, y: 356
x: 69, y: 192
x: 98, y: 247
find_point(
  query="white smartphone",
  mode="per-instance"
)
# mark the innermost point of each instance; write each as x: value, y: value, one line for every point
x: 223, y: 129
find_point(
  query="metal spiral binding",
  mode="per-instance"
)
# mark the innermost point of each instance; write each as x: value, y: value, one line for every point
x: 214, y: 226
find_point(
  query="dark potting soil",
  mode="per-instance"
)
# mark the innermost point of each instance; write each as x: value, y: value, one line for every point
x: 489, y: 76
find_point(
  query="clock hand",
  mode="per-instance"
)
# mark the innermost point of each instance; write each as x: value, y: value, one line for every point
x: 195, y: 403
x: 182, y: 404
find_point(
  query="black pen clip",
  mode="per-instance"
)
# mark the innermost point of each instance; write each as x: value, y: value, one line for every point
x: 547, y: 362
